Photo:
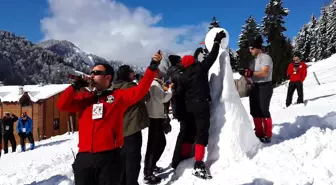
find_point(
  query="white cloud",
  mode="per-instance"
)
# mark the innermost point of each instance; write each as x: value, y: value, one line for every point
x: 111, y: 30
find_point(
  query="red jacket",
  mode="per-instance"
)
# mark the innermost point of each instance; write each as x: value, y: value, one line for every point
x: 106, y: 133
x: 300, y: 74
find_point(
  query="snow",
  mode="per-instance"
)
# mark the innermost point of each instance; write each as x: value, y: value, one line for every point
x: 35, y: 92
x: 232, y: 137
x: 302, y: 151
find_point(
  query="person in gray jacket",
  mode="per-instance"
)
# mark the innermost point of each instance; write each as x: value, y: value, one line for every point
x: 159, y: 94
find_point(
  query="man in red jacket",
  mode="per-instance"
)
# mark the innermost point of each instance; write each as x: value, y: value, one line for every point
x: 297, y: 72
x: 101, y: 122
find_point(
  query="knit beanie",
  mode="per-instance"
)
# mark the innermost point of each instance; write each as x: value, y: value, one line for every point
x: 174, y: 59
x: 256, y: 42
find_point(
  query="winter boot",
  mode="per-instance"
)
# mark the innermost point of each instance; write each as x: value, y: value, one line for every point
x: 258, y: 127
x: 200, y: 171
x: 199, y: 152
x: 152, y: 179
x: 32, y: 146
x: 268, y: 129
x: 157, y: 169
x: 186, y: 150
x: 23, y: 148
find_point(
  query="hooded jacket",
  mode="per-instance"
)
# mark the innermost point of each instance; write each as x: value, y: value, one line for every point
x: 174, y: 73
x: 194, y: 79
x: 158, y: 97
x: 136, y: 116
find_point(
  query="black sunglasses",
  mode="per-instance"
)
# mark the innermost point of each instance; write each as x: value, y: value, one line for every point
x: 97, y: 72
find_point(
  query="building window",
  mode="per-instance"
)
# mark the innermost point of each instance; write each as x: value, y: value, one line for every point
x: 56, y: 124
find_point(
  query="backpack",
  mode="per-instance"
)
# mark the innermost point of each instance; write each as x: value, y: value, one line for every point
x: 243, y: 86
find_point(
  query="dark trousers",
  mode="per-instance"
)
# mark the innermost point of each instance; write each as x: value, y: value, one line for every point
x: 9, y: 137
x: 194, y: 127
x: 98, y: 168
x: 186, y: 136
x: 155, y: 145
x: 198, y: 122
x: 23, y: 137
x: 166, y: 107
x: 131, y: 158
x: 260, y: 98
x: 173, y: 104
x: 298, y: 85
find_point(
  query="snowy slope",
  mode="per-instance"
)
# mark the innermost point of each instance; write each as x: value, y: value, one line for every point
x: 302, y: 152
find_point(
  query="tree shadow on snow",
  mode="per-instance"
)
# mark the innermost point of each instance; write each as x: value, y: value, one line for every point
x: 217, y: 114
x: 259, y: 182
x: 52, y: 143
x: 317, y: 98
x: 320, y: 97
x: 52, y: 180
x: 302, y: 124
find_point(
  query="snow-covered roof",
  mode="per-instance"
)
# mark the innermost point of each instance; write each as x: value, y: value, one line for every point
x: 12, y: 93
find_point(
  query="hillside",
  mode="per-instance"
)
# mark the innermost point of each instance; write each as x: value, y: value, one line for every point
x: 24, y: 62
x: 73, y: 54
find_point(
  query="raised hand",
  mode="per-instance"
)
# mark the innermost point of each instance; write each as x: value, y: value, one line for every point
x: 157, y: 57
x: 219, y: 36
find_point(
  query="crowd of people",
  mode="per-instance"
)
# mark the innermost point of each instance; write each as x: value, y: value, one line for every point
x: 24, y: 128
x: 113, y: 115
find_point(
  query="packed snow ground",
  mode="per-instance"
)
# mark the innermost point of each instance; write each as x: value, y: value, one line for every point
x: 302, y: 152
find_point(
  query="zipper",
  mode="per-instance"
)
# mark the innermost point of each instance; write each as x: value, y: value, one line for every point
x: 115, y: 138
x: 93, y: 126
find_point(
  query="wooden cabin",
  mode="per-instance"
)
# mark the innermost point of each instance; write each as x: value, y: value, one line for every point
x: 39, y: 102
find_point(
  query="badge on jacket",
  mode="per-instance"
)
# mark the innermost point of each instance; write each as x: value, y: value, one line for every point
x: 97, y: 111
x: 110, y: 99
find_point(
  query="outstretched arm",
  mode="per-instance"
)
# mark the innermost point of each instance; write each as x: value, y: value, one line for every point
x: 211, y: 58
x: 72, y: 101
x: 14, y: 118
x: 135, y: 94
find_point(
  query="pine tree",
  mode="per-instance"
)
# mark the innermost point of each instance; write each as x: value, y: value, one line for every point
x: 233, y: 60
x: 273, y: 28
x: 300, y: 39
x: 313, y: 38
x: 304, y: 40
x: 248, y: 32
x: 322, y: 41
x: 214, y: 23
x: 331, y: 28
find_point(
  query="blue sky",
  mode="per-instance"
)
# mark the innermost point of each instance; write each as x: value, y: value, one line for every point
x: 23, y: 16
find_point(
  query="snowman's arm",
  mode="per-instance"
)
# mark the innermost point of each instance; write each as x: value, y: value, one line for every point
x: 211, y: 58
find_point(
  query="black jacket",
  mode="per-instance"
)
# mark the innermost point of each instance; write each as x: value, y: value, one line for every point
x: 174, y: 73
x: 7, y: 124
x: 194, y: 79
